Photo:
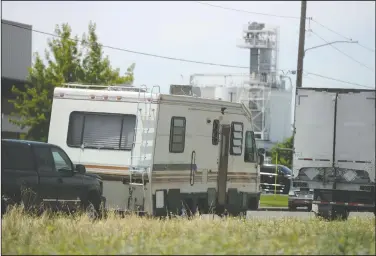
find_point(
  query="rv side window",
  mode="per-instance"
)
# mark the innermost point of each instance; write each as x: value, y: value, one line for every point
x: 101, y: 130
x: 215, y: 138
x: 236, y: 141
x: 250, y: 147
x: 177, y: 134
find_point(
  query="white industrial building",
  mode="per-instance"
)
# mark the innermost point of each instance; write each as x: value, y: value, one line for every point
x: 262, y: 89
x: 16, y: 58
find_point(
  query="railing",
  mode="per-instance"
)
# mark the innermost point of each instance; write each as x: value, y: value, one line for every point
x: 142, y: 88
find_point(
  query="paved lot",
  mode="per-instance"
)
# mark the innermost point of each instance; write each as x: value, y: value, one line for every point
x: 284, y: 214
x: 297, y: 214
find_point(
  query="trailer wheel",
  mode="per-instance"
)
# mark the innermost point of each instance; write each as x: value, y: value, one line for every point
x: 292, y: 207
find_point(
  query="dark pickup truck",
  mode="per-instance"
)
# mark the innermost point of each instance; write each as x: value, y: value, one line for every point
x: 41, y: 175
x: 279, y: 176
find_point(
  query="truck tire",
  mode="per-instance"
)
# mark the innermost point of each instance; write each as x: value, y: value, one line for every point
x: 91, y: 212
x: 92, y: 206
x: 3, y: 207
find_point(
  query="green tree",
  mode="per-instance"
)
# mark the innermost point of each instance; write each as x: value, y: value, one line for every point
x: 67, y: 61
x: 284, y: 156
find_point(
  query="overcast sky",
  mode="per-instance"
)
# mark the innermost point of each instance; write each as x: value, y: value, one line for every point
x: 199, y: 32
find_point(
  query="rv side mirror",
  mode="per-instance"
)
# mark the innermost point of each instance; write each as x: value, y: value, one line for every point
x: 261, y: 159
x: 80, y: 168
x: 261, y: 151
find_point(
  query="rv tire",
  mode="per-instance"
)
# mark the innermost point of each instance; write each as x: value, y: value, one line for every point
x: 254, y: 203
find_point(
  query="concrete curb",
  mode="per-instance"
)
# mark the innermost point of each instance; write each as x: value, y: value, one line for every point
x: 280, y: 209
x: 274, y: 209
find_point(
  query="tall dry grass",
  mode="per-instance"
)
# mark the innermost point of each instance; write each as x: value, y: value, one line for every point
x: 57, y: 234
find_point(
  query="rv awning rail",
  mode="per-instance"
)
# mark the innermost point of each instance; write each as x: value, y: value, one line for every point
x: 142, y: 88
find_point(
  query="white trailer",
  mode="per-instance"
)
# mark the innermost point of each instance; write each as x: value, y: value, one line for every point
x: 160, y: 154
x: 334, y: 151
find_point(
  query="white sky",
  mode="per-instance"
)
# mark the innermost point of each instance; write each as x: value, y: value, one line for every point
x: 198, y: 32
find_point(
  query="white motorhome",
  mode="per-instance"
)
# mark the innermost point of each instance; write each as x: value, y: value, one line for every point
x: 157, y: 153
x: 334, y: 151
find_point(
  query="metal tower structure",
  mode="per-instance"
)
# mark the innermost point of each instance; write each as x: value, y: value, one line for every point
x: 263, y: 44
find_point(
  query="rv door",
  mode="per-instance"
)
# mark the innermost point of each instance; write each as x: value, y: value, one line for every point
x: 223, y: 166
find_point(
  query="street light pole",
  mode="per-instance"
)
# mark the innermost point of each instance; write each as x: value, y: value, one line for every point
x: 299, y: 71
x: 330, y: 43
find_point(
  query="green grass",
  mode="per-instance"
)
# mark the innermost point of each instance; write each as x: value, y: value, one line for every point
x: 22, y: 234
x: 271, y: 200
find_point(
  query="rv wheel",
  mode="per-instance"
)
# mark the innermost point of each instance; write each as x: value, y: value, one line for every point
x: 254, y: 203
x: 243, y: 215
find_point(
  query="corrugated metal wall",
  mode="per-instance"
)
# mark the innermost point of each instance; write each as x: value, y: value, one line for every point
x: 16, y: 49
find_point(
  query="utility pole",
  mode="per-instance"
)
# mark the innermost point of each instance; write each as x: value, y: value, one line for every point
x: 299, y: 75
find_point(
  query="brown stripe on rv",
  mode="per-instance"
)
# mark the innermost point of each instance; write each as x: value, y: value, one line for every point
x: 171, y: 167
x: 107, y: 167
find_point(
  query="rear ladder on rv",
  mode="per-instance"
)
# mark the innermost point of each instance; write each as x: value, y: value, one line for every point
x: 140, y: 169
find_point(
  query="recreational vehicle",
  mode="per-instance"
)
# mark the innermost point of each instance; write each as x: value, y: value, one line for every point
x: 160, y: 154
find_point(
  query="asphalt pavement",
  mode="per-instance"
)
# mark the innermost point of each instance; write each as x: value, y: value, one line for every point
x: 300, y: 214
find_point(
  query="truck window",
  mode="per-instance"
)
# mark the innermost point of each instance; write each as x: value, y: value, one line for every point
x: 215, y: 132
x: 268, y: 169
x: 250, y: 147
x: 101, y: 130
x: 236, y: 141
x: 177, y: 134
x: 16, y: 156
x: 44, y: 159
x: 61, y: 159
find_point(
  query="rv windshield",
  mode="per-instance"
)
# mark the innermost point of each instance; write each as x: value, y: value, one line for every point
x: 250, y: 147
x: 330, y: 174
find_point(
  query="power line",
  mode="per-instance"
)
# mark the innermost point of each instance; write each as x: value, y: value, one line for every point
x: 283, y: 16
x: 249, y: 12
x: 345, y: 37
x: 137, y: 52
x: 170, y: 58
x: 360, y: 63
x: 341, y: 81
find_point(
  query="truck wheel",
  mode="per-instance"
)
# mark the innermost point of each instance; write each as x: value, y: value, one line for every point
x: 3, y: 207
x: 92, y: 207
x: 91, y: 212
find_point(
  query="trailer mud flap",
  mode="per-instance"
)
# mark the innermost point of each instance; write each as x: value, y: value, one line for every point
x: 327, y: 200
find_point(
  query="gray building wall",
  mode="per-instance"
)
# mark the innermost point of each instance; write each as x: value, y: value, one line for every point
x: 16, y: 58
x: 16, y: 49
